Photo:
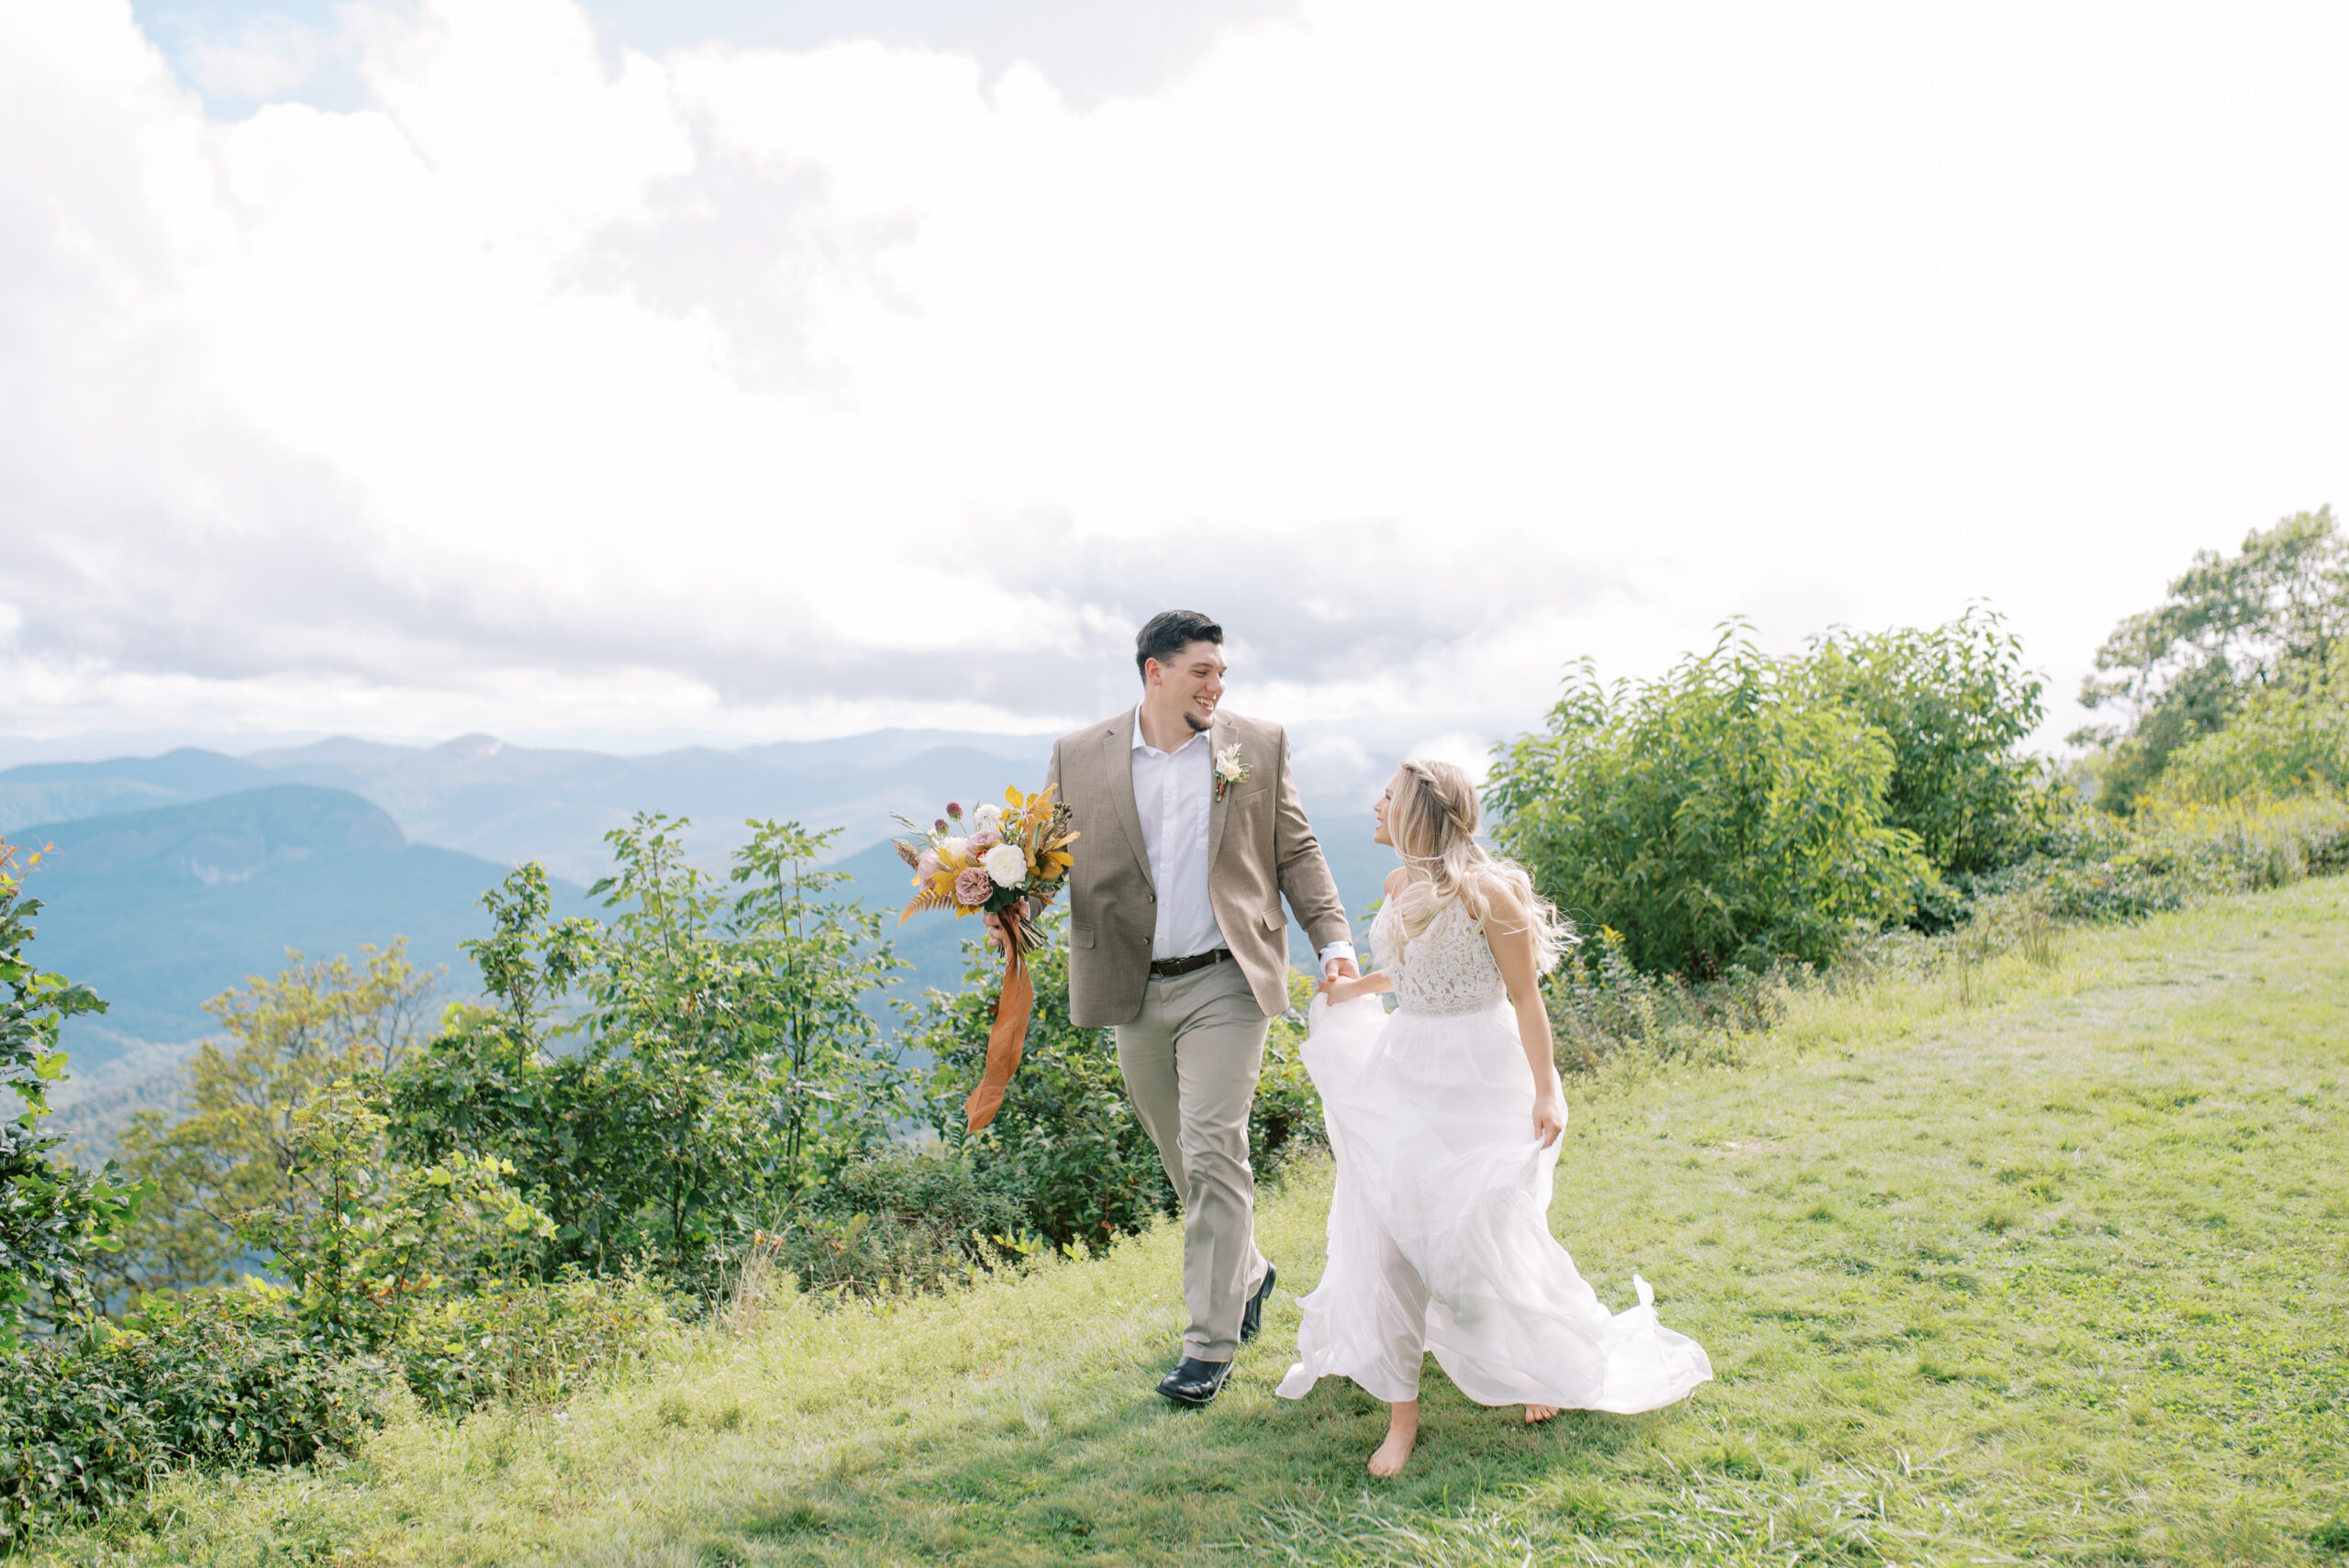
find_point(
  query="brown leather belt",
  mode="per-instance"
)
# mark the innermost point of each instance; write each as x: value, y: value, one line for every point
x: 1168, y: 968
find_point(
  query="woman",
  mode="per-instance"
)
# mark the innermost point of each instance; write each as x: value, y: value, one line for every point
x: 1445, y: 1120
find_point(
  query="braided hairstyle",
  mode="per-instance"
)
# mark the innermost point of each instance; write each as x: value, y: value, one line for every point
x: 1433, y: 819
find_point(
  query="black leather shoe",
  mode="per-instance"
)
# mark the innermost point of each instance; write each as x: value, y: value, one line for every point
x: 1251, y: 1317
x: 1194, y: 1382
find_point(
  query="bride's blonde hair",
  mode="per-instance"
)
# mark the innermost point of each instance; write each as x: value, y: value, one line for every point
x: 1433, y: 818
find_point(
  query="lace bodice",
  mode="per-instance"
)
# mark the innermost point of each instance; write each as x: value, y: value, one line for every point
x: 1449, y: 969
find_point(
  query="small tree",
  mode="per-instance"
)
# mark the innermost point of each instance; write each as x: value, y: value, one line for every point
x: 1954, y: 703
x: 381, y: 1240
x: 237, y: 1150
x: 2277, y: 610
x: 2286, y: 738
x: 53, y: 1218
x: 811, y: 969
x: 721, y: 1063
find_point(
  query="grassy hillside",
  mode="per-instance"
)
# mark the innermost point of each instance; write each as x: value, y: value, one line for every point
x: 2058, y: 1277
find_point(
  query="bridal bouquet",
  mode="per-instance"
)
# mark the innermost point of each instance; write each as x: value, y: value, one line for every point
x: 1003, y: 855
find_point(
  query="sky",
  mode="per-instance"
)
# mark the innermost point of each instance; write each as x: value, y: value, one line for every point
x: 635, y: 372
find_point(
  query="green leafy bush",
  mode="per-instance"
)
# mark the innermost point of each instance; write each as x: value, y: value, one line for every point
x: 904, y: 1220
x: 288, y: 1037
x: 1286, y: 1115
x: 2287, y: 737
x: 1954, y: 703
x: 2095, y: 866
x: 724, y: 1063
x: 54, y: 1218
x: 215, y: 1378
x: 2274, y: 613
x: 2245, y: 844
x: 1601, y: 1004
x: 1732, y: 815
x: 1065, y: 1142
x: 382, y: 1242
x: 529, y: 1343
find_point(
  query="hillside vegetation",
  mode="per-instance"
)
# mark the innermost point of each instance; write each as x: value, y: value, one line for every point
x: 2060, y: 1276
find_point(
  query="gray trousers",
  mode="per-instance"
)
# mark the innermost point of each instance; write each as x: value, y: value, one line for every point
x: 1190, y: 1062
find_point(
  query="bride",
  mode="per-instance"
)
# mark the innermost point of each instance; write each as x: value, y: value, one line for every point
x: 1445, y: 1120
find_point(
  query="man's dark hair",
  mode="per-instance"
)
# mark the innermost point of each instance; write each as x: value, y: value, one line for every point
x: 1169, y: 632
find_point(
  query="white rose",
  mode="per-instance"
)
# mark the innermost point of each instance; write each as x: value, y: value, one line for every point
x: 956, y: 846
x: 1005, y: 865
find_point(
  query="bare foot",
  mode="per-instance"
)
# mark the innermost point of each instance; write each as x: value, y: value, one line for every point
x: 1402, y: 1431
x: 1536, y: 1413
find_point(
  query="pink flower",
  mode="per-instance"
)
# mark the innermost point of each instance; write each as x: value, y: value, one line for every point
x: 941, y: 824
x: 972, y: 886
x: 982, y: 840
x: 954, y: 809
x: 929, y: 866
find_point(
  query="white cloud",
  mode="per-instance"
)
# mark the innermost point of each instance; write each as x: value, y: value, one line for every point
x: 760, y: 391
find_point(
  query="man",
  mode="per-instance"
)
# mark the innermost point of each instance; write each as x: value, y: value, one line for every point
x: 1193, y: 834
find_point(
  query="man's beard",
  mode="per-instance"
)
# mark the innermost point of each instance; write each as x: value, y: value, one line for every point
x: 1198, y: 726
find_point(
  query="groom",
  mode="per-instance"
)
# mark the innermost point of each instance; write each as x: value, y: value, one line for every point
x: 1192, y: 836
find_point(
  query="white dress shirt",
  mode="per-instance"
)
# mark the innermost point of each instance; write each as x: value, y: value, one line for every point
x: 1173, y: 791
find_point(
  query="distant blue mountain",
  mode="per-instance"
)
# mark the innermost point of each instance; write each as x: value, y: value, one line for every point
x: 159, y: 910
x: 509, y: 804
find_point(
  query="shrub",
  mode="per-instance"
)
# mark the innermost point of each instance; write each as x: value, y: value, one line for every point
x: 226, y: 1377
x: 1065, y: 1142
x: 1729, y: 815
x: 380, y: 1242
x: 904, y: 1220
x: 2093, y: 866
x: 288, y: 1039
x: 2247, y: 843
x: 1954, y: 703
x: 2288, y: 737
x: 2274, y: 613
x: 54, y: 1219
x: 724, y: 1060
x: 1601, y: 1005
x: 531, y: 1344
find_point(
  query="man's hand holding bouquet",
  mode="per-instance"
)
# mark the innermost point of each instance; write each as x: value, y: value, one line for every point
x: 1008, y: 861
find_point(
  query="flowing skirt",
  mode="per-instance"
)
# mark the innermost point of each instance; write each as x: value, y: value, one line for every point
x: 1438, y: 1231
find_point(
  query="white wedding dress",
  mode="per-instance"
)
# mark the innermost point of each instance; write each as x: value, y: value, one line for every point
x: 1438, y: 1231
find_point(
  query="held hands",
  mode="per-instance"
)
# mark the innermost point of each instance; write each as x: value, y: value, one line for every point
x: 1342, y: 982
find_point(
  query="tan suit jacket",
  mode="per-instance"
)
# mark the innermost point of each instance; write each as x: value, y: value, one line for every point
x: 1260, y: 849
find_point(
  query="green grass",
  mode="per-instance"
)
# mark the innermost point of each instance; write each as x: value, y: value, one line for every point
x: 2057, y: 1277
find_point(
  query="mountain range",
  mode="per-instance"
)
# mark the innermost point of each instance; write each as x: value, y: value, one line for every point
x: 509, y: 804
x: 173, y: 878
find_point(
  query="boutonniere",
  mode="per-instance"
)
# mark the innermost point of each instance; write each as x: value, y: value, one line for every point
x: 1228, y: 769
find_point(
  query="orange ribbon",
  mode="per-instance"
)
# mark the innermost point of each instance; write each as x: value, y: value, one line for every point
x: 1009, y: 1038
